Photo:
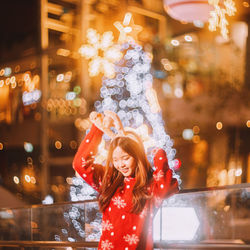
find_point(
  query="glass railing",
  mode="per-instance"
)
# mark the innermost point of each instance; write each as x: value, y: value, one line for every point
x: 190, y: 219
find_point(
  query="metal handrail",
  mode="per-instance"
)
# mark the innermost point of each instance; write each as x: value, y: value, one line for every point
x: 52, y: 244
x: 227, y: 187
x: 158, y: 245
x: 25, y: 243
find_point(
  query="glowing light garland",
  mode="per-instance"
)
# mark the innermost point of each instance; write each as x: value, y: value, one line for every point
x: 92, y: 50
x: 218, y: 18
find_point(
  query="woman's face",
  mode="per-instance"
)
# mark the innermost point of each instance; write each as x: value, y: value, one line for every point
x: 123, y: 162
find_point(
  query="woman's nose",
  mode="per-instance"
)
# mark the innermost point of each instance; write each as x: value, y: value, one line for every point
x: 121, y: 164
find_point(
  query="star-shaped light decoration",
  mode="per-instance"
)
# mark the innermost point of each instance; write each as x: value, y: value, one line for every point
x: 128, y: 30
x: 218, y: 18
x: 97, y: 45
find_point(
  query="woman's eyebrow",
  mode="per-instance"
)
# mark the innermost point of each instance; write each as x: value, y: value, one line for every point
x: 122, y: 156
x: 125, y: 154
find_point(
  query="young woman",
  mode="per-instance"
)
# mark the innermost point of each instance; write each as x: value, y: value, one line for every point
x: 129, y: 190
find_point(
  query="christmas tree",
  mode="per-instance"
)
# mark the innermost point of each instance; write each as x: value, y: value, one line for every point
x: 131, y: 95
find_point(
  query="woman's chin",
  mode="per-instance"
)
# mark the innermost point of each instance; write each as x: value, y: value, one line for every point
x: 126, y: 174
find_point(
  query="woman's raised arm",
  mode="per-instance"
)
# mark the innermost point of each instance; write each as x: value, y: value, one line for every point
x: 164, y: 184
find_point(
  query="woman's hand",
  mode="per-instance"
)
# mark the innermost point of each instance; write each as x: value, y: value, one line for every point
x: 114, y: 120
x: 104, y: 123
x: 97, y: 119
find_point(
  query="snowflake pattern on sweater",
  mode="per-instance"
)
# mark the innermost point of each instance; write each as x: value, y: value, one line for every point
x: 122, y: 229
x: 131, y: 239
x: 157, y: 176
x: 106, y: 245
x: 119, y: 202
x: 106, y: 225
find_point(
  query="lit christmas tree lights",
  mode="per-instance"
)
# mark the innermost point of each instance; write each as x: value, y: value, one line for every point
x: 131, y: 95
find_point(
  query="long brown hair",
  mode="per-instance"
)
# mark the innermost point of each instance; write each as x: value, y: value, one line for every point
x: 113, y: 179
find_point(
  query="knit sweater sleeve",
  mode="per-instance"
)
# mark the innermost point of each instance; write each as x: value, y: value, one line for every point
x: 83, y: 160
x: 164, y: 184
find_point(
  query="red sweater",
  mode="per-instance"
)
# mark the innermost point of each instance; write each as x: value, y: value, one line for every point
x: 122, y: 229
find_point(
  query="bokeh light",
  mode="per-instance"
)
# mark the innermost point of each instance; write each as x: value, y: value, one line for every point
x: 219, y: 125
x: 58, y: 145
x: 16, y: 180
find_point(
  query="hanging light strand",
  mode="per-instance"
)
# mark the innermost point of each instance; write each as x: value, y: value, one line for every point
x: 218, y: 16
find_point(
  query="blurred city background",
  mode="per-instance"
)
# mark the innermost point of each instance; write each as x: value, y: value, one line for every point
x: 202, y: 81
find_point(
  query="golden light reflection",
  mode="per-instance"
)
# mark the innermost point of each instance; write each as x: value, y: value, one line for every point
x: 58, y: 145
x: 248, y: 123
x: 13, y: 85
x: 245, y: 4
x: 13, y: 79
x: 196, y: 139
x: 17, y: 68
x: 73, y: 144
x: 27, y: 178
x: 63, y: 52
x: 7, y: 81
x: 188, y: 38
x: 175, y: 42
x: 16, y: 180
x: 168, y: 67
x: 196, y: 129
x: 33, y: 180
x: 1, y: 146
x: 38, y: 116
x: 219, y: 125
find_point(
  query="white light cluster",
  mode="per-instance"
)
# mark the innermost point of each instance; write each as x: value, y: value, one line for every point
x: 81, y: 191
x: 71, y: 95
x: 28, y: 147
x: 130, y: 94
x: 101, y: 45
x: 48, y: 200
x: 31, y: 97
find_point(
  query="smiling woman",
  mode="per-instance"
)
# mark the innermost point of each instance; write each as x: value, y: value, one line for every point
x: 130, y: 192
